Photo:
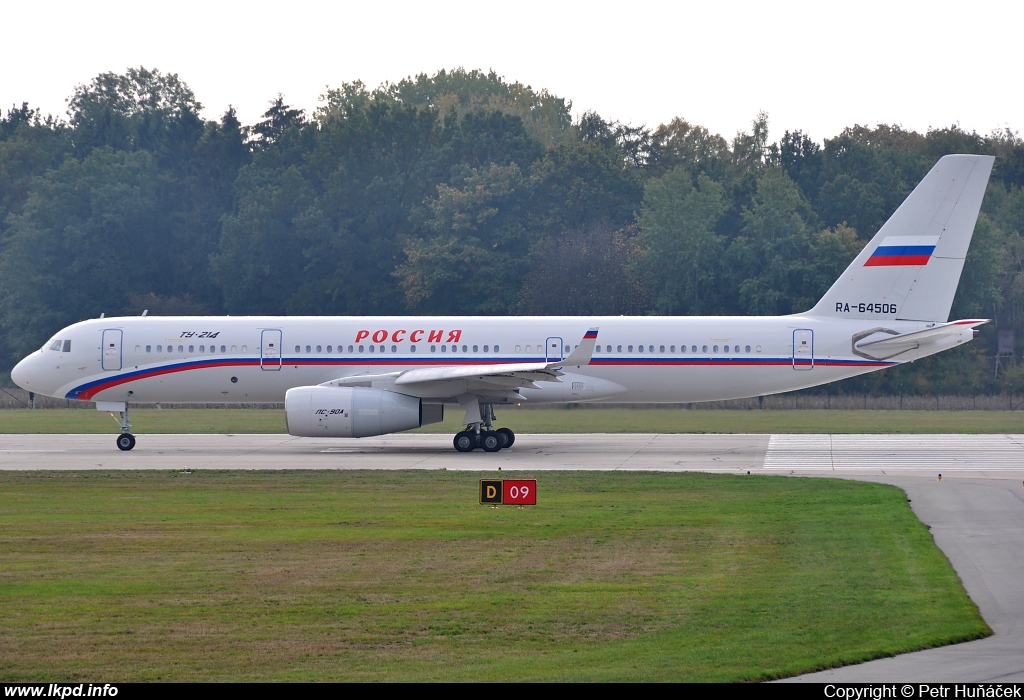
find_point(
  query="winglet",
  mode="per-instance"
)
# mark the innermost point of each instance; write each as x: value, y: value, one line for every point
x: 583, y: 352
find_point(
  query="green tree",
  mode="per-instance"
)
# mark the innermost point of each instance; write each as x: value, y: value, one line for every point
x: 84, y: 240
x: 768, y: 260
x: 681, y: 253
x: 583, y: 272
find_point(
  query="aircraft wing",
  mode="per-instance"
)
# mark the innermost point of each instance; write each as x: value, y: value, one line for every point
x: 526, y: 372
x: 897, y: 344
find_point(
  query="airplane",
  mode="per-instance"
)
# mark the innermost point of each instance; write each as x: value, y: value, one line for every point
x: 364, y: 376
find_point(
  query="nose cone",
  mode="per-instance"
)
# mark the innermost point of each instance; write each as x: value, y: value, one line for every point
x: 21, y: 374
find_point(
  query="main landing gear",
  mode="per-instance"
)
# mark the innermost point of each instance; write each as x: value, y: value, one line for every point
x: 482, y: 434
x: 489, y: 440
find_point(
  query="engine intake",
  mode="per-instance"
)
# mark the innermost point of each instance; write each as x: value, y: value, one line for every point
x: 320, y: 411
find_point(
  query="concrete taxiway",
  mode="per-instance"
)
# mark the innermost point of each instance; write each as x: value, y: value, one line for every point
x: 976, y: 511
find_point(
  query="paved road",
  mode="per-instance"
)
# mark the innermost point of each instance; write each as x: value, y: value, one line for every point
x: 976, y: 511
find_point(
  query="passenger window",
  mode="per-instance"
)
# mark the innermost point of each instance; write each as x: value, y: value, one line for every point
x: 518, y: 349
x: 747, y: 348
x: 149, y: 348
x: 373, y: 348
x: 329, y: 349
x: 455, y: 348
x: 694, y: 348
x: 618, y: 348
x: 476, y: 349
x: 640, y: 348
x: 394, y: 348
x: 528, y: 348
x: 382, y: 348
x: 672, y: 348
x: 298, y: 348
x: 433, y: 348
x: 726, y: 348
x: 350, y: 348
x: 412, y: 348
x: 495, y: 348
x: 308, y: 349
x: 607, y: 348
x: 716, y: 348
x: 361, y: 348
x: 444, y: 348
x: 245, y: 348
x: 181, y: 348
x: 597, y: 348
x: 464, y: 348
x: 630, y: 348
x: 758, y: 348
x: 191, y: 348
x: 234, y: 348
x: 703, y: 348
x: 485, y: 348
x: 138, y: 348
x: 159, y: 348
x: 319, y: 348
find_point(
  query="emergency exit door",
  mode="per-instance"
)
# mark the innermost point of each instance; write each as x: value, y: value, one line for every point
x: 803, y: 349
x: 110, y: 353
x: 270, y: 350
x: 553, y: 350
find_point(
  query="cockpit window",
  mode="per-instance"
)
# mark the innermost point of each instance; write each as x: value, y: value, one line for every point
x: 67, y: 346
x: 55, y: 345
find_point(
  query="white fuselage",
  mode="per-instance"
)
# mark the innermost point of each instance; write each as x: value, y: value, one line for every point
x: 638, y: 359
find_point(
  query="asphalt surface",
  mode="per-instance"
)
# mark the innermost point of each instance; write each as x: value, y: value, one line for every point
x: 975, y: 510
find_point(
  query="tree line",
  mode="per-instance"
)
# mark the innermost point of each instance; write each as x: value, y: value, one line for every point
x: 463, y: 193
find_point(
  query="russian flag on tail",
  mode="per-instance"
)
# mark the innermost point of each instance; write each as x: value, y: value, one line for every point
x: 903, y: 251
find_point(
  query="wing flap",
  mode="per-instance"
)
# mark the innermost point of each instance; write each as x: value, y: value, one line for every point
x: 439, y: 374
x: 523, y: 372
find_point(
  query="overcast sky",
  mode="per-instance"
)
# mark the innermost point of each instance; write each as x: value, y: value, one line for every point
x: 816, y: 66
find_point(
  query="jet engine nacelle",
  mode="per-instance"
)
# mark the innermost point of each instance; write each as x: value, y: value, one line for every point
x: 321, y: 411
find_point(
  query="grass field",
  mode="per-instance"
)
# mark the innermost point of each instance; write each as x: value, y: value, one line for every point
x: 403, y: 576
x: 555, y: 420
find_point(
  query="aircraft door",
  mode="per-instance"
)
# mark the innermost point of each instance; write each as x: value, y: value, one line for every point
x: 553, y: 350
x: 110, y: 356
x: 270, y: 350
x: 803, y: 349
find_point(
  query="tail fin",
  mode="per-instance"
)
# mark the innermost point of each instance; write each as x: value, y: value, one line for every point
x: 910, y: 270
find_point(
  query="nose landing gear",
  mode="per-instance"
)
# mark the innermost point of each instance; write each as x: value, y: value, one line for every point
x: 125, y: 441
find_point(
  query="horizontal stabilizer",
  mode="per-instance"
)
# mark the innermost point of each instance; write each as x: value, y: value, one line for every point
x: 883, y: 343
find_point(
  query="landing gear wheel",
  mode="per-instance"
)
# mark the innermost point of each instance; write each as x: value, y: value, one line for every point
x: 490, y: 441
x: 465, y: 441
x: 125, y: 442
x: 506, y: 436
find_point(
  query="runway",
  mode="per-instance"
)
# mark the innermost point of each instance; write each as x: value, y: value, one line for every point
x: 922, y: 456
x: 975, y: 511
